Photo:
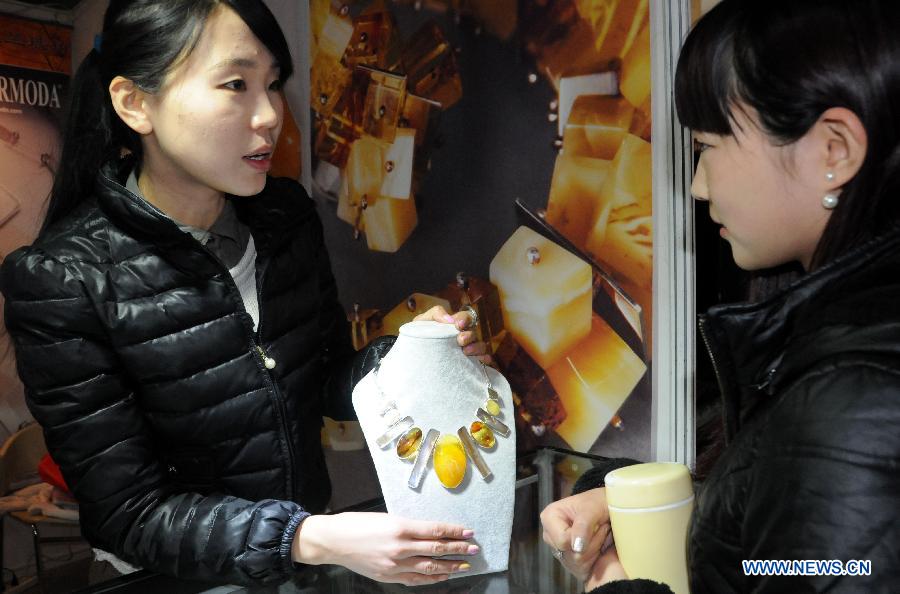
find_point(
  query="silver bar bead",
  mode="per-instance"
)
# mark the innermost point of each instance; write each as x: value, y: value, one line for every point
x: 422, y: 458
x: 492, y: 422
x: 472, y: 451
x: 394, y: 431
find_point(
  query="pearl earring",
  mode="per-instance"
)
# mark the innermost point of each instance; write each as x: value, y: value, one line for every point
x: 829, y: 201
x: 829, y: 176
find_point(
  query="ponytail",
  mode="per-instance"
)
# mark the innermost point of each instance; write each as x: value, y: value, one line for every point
x: 88, y: 140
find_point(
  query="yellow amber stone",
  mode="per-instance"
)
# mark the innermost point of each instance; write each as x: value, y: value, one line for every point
x: 575, y: 195
x: 635, y: 77
x: 409, y: 443
x: 482, y: 435
x: 492, y: 407
x: 449, y: 460
x: 596, y: 126
x: 336, y: 32
x: 389, y: 222
x: 627, y: 251
x: 593, y: 380
x: 546, y: 297
x: 365, y: 170
x: 626, y: 192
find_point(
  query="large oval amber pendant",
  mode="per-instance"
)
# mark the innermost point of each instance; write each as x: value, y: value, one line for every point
x: 449, y: 461
x: 409, y: 443
x: 482, y: 435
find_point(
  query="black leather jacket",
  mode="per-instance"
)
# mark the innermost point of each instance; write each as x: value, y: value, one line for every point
x: 187, y: 455
x: 810, y: 382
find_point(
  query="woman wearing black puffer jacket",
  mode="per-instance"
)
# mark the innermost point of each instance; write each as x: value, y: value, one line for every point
x: 795, y: 111
x: 176, y: 323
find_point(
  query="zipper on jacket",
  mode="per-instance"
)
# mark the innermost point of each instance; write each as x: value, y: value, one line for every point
x: 715, y: 365
x: 266, y: 364
x: 281, y: 407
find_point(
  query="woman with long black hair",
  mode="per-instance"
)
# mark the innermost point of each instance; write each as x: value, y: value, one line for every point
x: 176, y: 323
x: 794, y: 107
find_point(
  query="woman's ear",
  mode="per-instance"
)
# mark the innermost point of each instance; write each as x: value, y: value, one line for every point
x: 129, y: 102
x: 845, y: 144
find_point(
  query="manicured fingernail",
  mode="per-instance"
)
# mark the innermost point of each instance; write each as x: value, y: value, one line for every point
x: 449, y: 319
x: 473, y: 550
x: 578, y: 544
x: 464, y: 567
x: 467, y: 533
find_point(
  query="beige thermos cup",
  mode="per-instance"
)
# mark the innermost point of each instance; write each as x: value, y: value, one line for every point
x: 649, y: 509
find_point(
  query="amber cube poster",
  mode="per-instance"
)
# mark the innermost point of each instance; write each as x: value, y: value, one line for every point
x: 496, y: 153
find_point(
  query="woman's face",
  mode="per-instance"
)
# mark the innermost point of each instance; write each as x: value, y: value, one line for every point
x: 765, y: 197
x: 217, y: 118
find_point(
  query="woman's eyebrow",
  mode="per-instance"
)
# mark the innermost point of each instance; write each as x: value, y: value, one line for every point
x: 241, y: 63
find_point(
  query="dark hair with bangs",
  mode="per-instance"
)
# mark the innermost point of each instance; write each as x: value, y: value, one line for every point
x: 791, y: 60
x: 142, y: 40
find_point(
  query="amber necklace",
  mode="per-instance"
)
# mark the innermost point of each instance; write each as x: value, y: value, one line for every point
x: 450, y: 451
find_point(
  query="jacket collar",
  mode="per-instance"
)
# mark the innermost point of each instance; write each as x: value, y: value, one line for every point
x: 851, y: 304
x: 270, y: 215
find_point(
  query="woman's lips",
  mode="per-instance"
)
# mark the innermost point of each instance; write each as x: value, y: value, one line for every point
x: 259, y: 162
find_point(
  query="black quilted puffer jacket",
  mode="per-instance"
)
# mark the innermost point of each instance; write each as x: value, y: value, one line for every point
x: 187, y: 455
x: 810, y: 382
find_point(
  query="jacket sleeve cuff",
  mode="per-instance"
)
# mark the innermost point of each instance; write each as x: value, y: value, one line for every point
x: 287, y: 539
x: 639, y: 586
x: 594, y: 477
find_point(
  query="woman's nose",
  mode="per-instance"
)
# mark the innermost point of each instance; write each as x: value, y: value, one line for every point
x: 699, y: 189
x: 268, y: 111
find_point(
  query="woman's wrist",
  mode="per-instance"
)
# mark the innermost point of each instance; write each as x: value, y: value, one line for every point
x: 308, y: 547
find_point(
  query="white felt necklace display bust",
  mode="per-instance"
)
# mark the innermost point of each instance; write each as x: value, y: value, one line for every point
x: 429, y: 378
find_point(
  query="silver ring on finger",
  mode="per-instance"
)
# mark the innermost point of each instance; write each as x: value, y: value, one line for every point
x: 558, y: 554
x: 473, y: 315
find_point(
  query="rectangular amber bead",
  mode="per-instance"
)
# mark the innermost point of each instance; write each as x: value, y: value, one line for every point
x: 329, y: 80
x: 364, y: 171
x: 385, y: 94
x: 615, y: 24
x: 575, y: 196
x: 397, y: 165
x: 546, y: 294
x: 593, y: 379
x: 335, y: 35
x: 430, y: 63
x: 334, y: 137
x: 389, y: 223
x: 635, y: 77
x: 627, y: 190
x: 375, y: 41
x: 596, y: 126
x: 561, y: 41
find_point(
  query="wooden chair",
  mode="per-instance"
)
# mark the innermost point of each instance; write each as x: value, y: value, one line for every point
x: 19, y: 458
